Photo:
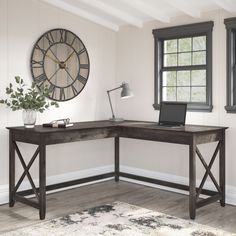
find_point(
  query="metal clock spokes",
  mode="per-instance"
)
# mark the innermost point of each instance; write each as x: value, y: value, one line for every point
x: 54, y: 74
x: 69, y: 75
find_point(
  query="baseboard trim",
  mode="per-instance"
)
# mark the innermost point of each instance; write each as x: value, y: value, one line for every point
x: 230, y: 190
x: 56, y: 179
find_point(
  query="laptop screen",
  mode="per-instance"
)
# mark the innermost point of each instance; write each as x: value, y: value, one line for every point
x: 172, y: 113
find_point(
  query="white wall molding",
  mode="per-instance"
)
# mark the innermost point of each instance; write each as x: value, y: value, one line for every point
x: 230, y: 190
x: 60, y: 179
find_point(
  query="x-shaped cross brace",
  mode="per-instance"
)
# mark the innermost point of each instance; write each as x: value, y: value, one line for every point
x: 208, y: 170
x: 39, y: 192
x: 26, y: 170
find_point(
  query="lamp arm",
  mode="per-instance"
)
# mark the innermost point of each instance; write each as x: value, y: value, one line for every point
x: 114, y: 89
x: 108, y: 93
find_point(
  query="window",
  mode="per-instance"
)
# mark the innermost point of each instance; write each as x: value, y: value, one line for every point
x: 183, y: 65
x: 230, y: 25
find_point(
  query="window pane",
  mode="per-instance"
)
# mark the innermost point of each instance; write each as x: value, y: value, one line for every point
x: 170, y: 46
x: 199, y: 43
x: 183, y: 78
x: 169, y: 78
x: 170, y: 60
x: 183, y: 64
x: 198, y: 94
x: 199, y: 58
x: 185, y: 45
x: 184, y: 59
x: 199, y: 78
x: 183, y: 94
x: 169, y: 94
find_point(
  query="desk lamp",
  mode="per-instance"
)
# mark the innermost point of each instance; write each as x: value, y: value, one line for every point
x: 125, y: 93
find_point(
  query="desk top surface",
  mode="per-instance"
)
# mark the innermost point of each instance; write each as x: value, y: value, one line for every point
x: 125, y: 124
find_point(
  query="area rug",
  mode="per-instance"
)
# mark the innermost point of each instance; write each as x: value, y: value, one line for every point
x: 118, y: 219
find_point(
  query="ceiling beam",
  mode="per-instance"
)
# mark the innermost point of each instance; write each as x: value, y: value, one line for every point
x: 185, y: 7
x: 226, y: 5
x: 82, y: 13
x: 147, y: 9
x: 107, y: 8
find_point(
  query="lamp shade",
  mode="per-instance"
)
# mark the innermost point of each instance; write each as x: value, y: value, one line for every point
x: 126, y: 91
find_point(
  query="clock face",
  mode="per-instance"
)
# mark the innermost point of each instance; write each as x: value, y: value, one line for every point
x: 60, y: 61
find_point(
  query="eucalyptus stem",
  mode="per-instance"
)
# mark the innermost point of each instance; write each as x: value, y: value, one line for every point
x: 23, y: 98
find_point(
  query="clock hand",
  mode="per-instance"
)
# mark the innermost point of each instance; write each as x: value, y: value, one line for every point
x: 69, y: 57
x: 52, y: 59
x: 54, y: 54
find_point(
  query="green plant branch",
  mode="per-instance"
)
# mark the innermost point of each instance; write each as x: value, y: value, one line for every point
x: 23, y: 98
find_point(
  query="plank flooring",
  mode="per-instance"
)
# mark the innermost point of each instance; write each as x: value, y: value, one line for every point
x: 69, y: 201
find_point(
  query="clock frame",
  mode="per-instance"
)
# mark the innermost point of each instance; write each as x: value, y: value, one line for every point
x: 60, y: 61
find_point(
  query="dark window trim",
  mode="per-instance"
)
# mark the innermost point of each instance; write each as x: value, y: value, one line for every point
x: 176, y: 32
x: 230, y: 24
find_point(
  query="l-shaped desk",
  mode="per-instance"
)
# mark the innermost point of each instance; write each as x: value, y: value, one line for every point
x: 191, y: 135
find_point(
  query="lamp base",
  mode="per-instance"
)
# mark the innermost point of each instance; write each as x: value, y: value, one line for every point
x: 116, y: 119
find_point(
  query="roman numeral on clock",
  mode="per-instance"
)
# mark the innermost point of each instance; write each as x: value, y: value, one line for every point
x: 50, y: 38
x: 62, y: 36
x: 84, y: 66
x: 52, y: 89
x: 37, y: 64
x: 42, y: 50
x: 41, y: 83
x: 80, y: 52
x: 74, y: 90
x: 62, y: 94
x: 72, y: 42
x: 82, y: 79
x: 40, y: 78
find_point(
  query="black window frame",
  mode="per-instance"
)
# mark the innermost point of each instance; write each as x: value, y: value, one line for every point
x: 230, y: 24
x: 176, y: 32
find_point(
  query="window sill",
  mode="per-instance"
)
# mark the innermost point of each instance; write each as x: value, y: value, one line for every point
x: 193, y: 107
x: 230, y: 109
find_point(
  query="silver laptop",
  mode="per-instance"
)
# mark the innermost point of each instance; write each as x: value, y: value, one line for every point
x: 172, y: 114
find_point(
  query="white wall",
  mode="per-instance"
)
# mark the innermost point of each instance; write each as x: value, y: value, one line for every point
x: 21, y: 24
x: 135, y: 64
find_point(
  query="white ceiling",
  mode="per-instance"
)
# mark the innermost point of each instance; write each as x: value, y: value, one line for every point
x: 115, y: 13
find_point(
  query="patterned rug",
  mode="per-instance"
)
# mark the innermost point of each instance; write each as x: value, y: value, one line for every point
x: 118, y: 219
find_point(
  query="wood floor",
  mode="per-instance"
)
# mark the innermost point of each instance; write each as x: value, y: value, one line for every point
x: 62, y: 203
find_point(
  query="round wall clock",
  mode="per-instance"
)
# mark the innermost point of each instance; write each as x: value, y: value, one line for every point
x: 60, y: 61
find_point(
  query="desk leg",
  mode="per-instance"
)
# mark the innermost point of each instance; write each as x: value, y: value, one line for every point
x: 42, y: 182
x: 192, y: 179
x: 117, y: 158
x: 11, y: 171
x: 222, y: 168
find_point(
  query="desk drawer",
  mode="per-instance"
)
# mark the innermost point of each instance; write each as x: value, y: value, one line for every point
x: 79, y: 135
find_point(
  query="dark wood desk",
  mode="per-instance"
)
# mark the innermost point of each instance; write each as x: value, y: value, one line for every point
x: 190, y: 135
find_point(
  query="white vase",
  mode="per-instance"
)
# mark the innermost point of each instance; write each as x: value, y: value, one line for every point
x: 29, y: 118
